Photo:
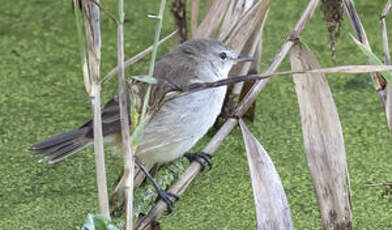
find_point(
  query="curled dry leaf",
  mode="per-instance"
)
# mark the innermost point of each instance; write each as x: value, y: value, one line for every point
x: 272, y: 208
x: 323, y: 140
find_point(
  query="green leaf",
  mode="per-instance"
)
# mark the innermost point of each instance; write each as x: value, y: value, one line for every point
x: 98, y: 222
x: 373, y: 59
x: 146, y: 79
x: 138, y: 132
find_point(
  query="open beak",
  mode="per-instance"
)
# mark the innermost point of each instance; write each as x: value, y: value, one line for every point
x: 242, y: 58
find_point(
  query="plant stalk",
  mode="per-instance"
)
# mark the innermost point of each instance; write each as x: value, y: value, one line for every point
x: 153, y: 56
x: 128, y: 153
x: 93, y: 36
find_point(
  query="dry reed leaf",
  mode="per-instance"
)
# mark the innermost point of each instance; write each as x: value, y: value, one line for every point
x: 86, y: 76
x: 251, y: 96
x: 194, y: 15
x: 252, y: 48
x: 272, y: 208
x: 242, y: 37
x: 249, y: 49
x: 234, y: 12
x: 212, y: 20
x: 253, y: 69
x: 323, y: 140
x: 209, y: 3
x: 252, y: 19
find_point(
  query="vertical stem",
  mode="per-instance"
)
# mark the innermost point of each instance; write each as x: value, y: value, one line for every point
x: 129, y: 160
x: 153, y: 55
x: 156, y: 38
x: 93, y: 35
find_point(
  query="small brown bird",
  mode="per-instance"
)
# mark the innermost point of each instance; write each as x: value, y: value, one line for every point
x: 175, y: 123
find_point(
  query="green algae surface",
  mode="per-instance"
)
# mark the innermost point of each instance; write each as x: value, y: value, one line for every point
x: 42, y: 93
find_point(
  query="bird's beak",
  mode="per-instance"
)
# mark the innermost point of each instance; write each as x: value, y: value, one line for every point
x: 242, y: 58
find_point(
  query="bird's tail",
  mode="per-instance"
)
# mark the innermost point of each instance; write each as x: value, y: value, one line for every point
x: 59, y: 147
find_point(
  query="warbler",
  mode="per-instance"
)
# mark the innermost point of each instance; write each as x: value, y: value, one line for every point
x: 175, y: 123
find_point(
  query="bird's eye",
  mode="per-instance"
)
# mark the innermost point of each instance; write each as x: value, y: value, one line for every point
x: 223, y: 55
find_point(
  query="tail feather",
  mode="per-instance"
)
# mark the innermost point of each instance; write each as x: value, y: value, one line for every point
x: 59, y: 147
x: 58, y: 139
x: 64, y: 152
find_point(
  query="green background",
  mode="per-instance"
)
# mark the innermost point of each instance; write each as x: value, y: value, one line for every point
x: 42, y: 93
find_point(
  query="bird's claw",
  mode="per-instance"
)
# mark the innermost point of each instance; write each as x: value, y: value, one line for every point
x: 201, y: 157
x: 169, y: 198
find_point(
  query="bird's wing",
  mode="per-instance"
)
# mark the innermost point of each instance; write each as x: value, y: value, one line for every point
x: 164, y: 71
x: 170, y: 71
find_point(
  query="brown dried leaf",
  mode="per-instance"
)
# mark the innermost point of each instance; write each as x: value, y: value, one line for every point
x: 194, y: 15
x: 235, y: 11
x: 212, y: 20
x: 272, y: 209
x: 249, y: 49
x: 248, y: 23
x: 323, y: 140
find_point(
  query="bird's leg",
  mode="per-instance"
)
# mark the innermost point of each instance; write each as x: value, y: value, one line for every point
x: 201, y: 157
x: 168, y: 197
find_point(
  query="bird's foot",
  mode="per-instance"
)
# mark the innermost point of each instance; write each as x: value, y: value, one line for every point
x: 169, y: 198
x: 201, y: 157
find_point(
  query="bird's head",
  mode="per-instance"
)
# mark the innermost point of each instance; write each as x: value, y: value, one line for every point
x: 213, y: 54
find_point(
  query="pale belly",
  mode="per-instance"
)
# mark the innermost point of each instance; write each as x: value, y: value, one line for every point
x: 179, y: 124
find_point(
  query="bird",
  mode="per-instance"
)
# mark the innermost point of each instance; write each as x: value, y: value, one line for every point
x: 175, y: 123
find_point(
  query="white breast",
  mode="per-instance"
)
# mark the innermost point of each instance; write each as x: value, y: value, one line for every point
x: 179, y: 124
